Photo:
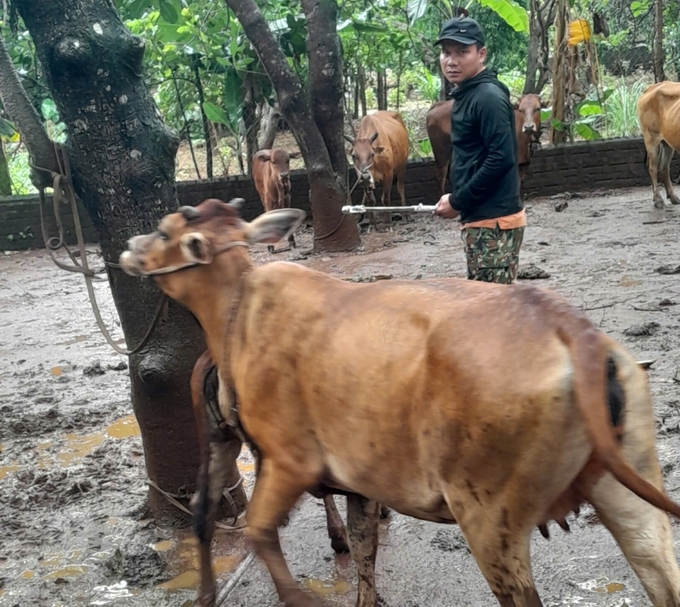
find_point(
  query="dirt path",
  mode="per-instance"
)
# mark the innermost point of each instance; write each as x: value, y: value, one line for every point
x: 72, y: 481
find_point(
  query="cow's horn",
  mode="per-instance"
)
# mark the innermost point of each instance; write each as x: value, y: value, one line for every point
x: 237, y: 203
x: 349, y: 139
x: 189, y: 213
x: 373, y: 137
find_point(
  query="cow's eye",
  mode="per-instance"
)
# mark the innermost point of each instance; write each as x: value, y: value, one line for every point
x: 162, y: 235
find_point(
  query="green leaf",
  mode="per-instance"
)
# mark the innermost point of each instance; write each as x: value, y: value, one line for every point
x: 216, y: 114
x: 546, y: 113
x: 168, y: 11
x: 49, y: 110
x: 416, y: 9
x: 638, y: 7
x: 586, y: 131
x: 557, y: 124
x: 6, y: 128
x: 136, y: 9
x: 589, y: 107
x: 233, y: 94
x: 512, y: 13
x: 425, y: 147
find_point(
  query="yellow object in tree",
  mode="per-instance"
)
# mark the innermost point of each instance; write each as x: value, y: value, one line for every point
x: 579, y: 31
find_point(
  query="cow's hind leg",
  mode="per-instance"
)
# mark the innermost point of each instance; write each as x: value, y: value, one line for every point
x: 665, y: 158
x: 502, y: 553
x: 653, y: 156
x: 336, y: 528
x: 362, y: 524
x: 644, y: 534
x: 276, y: 491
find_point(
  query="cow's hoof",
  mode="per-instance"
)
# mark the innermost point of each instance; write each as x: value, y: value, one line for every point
x: 270, y: 248
x: 299, y: 598
x: 385, y: 512
x: 675, y: 200
x: 339, y: 545
x: 658, y: 203
x: 207, y: 600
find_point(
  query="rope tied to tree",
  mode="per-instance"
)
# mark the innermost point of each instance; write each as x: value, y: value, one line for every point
x: 64, y: 193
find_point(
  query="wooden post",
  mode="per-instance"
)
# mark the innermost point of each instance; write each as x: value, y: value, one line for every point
x: 560, y: 69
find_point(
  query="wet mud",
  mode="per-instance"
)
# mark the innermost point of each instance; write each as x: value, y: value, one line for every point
x: 75, y: 530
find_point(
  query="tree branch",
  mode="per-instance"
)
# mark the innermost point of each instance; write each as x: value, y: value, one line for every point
x: 26, y: 120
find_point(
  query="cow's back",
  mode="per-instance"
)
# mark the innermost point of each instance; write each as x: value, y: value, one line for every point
x: 659, y: 111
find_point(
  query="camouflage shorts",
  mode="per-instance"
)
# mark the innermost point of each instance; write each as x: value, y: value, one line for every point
x: 492, y: 254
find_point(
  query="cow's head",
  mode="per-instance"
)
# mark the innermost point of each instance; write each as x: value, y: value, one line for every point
x: 529, y: 107
x: 363, y: 155
x: 280, y: 162
x: 181, y: 252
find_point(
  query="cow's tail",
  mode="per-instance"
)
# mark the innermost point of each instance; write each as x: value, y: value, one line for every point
x: 589, y: 354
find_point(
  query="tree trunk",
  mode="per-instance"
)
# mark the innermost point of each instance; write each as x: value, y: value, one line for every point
x: 333, y: 231
x: 560, y: 69
x: 542, y: 16
x: 381, y: 92
x: 659, y: 73
x: 251, y: 121
x: 26, y: 119
x: 122, y: 160
x: 5, y: 179
x: 325, y: 75
x: 269, y: 126
x: 361, y: 78
x: 204, y: 120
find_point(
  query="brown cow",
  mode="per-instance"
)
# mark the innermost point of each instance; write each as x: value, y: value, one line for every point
x: 374, y: 390
x: 380, y: 152
x: 271, y: 175
x: 659, y: 114
x: 527, y: 127
x: 219, y: 446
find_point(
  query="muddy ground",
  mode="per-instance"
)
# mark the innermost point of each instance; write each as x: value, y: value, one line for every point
x: 72, y: 479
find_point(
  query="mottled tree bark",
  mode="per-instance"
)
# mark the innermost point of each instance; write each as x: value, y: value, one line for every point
x: 659, y: 72
x: 325, y: 75
x: 560, y: 68
x: 122, y: 160
x: 328, y: 189
x: 542, y: 16
x: 5, y: 179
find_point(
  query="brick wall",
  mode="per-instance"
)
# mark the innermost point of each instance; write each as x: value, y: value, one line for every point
x: 579, y: 167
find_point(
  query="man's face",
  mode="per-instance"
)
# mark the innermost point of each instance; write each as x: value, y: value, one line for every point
x: 460, y: 62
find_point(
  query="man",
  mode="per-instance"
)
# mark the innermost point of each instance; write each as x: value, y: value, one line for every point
x: 484, y: 177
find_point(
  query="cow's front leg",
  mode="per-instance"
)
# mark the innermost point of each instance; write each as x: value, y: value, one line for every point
x: 277, y: 489
x: 362, y: 527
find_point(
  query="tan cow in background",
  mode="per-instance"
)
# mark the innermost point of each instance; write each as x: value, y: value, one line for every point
x: 527, y: 129
x: 380, y: 151
x: 497, y: 407
x: 271, y: 175
x: 659, y: 114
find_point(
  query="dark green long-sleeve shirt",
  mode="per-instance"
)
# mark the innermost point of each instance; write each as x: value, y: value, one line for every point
x: 484, y: 176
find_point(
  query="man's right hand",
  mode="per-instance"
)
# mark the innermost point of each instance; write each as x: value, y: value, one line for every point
x: 444, y: 208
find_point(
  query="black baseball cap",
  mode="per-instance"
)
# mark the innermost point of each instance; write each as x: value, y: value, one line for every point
x: 461, y: 29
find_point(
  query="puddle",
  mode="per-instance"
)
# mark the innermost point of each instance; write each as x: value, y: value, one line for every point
x: 125, y: 427
x: 69, y: 571
x: 327, y: 587
x: 5, y: 470
x: 163, y: 546
x: 78, y: 446
x: 27, y: 575
x: 602, y: 586
x: 75, y: 340
x: 245, y: 466
x: 187, y: 580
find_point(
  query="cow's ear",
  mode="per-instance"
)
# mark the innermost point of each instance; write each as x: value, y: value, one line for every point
x: 196, y: 248
x: 515, y: 105
x: 264, y: 155
x: 275, y: 225
x: 378, y: 149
